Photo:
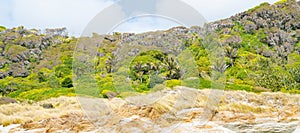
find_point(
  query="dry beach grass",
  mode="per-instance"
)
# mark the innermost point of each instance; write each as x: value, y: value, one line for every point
x: 156, y: 112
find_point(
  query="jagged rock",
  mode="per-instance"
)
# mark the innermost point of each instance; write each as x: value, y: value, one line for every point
x: 133, y: 52
x: 110, y: 94
x: 6, y: 100
x: 227, y: 23
x: 110, y: 38
x: 5, y: 74
x: 2, y: 75
x: 47, y: 105
x: 268, y: 53
x: 250, y: 26
x: 226, y: 31
x: 19, y: 70
x: 3, y: 62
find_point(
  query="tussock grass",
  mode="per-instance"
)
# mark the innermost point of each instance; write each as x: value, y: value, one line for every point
x: 156, y: 104
x: 21, y: 113
x: 244, y: 108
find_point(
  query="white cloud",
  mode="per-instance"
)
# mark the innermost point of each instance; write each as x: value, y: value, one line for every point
x: 5, y: 12
x: 73, y: 14
x: 76, y: 14
x: 104, y: 21
x: 180, y: 11
x: 145, y: 23
x: 218, y: 9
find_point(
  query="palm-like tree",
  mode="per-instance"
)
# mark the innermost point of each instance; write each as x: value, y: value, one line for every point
x: 172, y: 68
x: 231, y: 53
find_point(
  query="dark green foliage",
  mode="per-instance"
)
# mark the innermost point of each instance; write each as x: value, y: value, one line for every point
x: 156, y: 64
x: 42, y: 77
x: 67, y: 82
x: 276, y: 79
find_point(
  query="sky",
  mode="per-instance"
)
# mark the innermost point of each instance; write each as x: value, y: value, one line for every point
x: 76, y: 15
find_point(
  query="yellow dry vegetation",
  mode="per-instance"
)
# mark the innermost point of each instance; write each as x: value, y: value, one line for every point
x: 19, y: 113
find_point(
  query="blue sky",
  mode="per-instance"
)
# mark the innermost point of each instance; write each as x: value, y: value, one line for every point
x: 76, y: 14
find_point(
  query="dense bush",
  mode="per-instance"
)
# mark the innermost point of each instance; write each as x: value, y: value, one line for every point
x: 67, y: 82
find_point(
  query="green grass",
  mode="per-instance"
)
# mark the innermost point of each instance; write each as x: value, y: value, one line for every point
x: 204, y: 83
x: 14, y: 50
x: 239, y: 87
x: 2, y: 28
x: 259, y: 6
x: 172, y: 83
x: 281, y: 2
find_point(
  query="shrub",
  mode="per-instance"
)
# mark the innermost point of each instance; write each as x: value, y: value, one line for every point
x: 42, y: 77
x: 106, y: 83
x: 141, y: 87
x: 53, y: 82
x: 154, y: 80
x: 41, y: 94
x: 172, y: 83
x: 32, y: 59
x: 67, y: 82
x: 62, y: 71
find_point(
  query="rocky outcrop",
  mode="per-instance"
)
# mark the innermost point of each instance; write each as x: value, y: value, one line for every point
x: 6, y: 100
x: 22, y: 47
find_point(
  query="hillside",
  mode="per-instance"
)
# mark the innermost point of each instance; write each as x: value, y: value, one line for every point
x: 259, y: 50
